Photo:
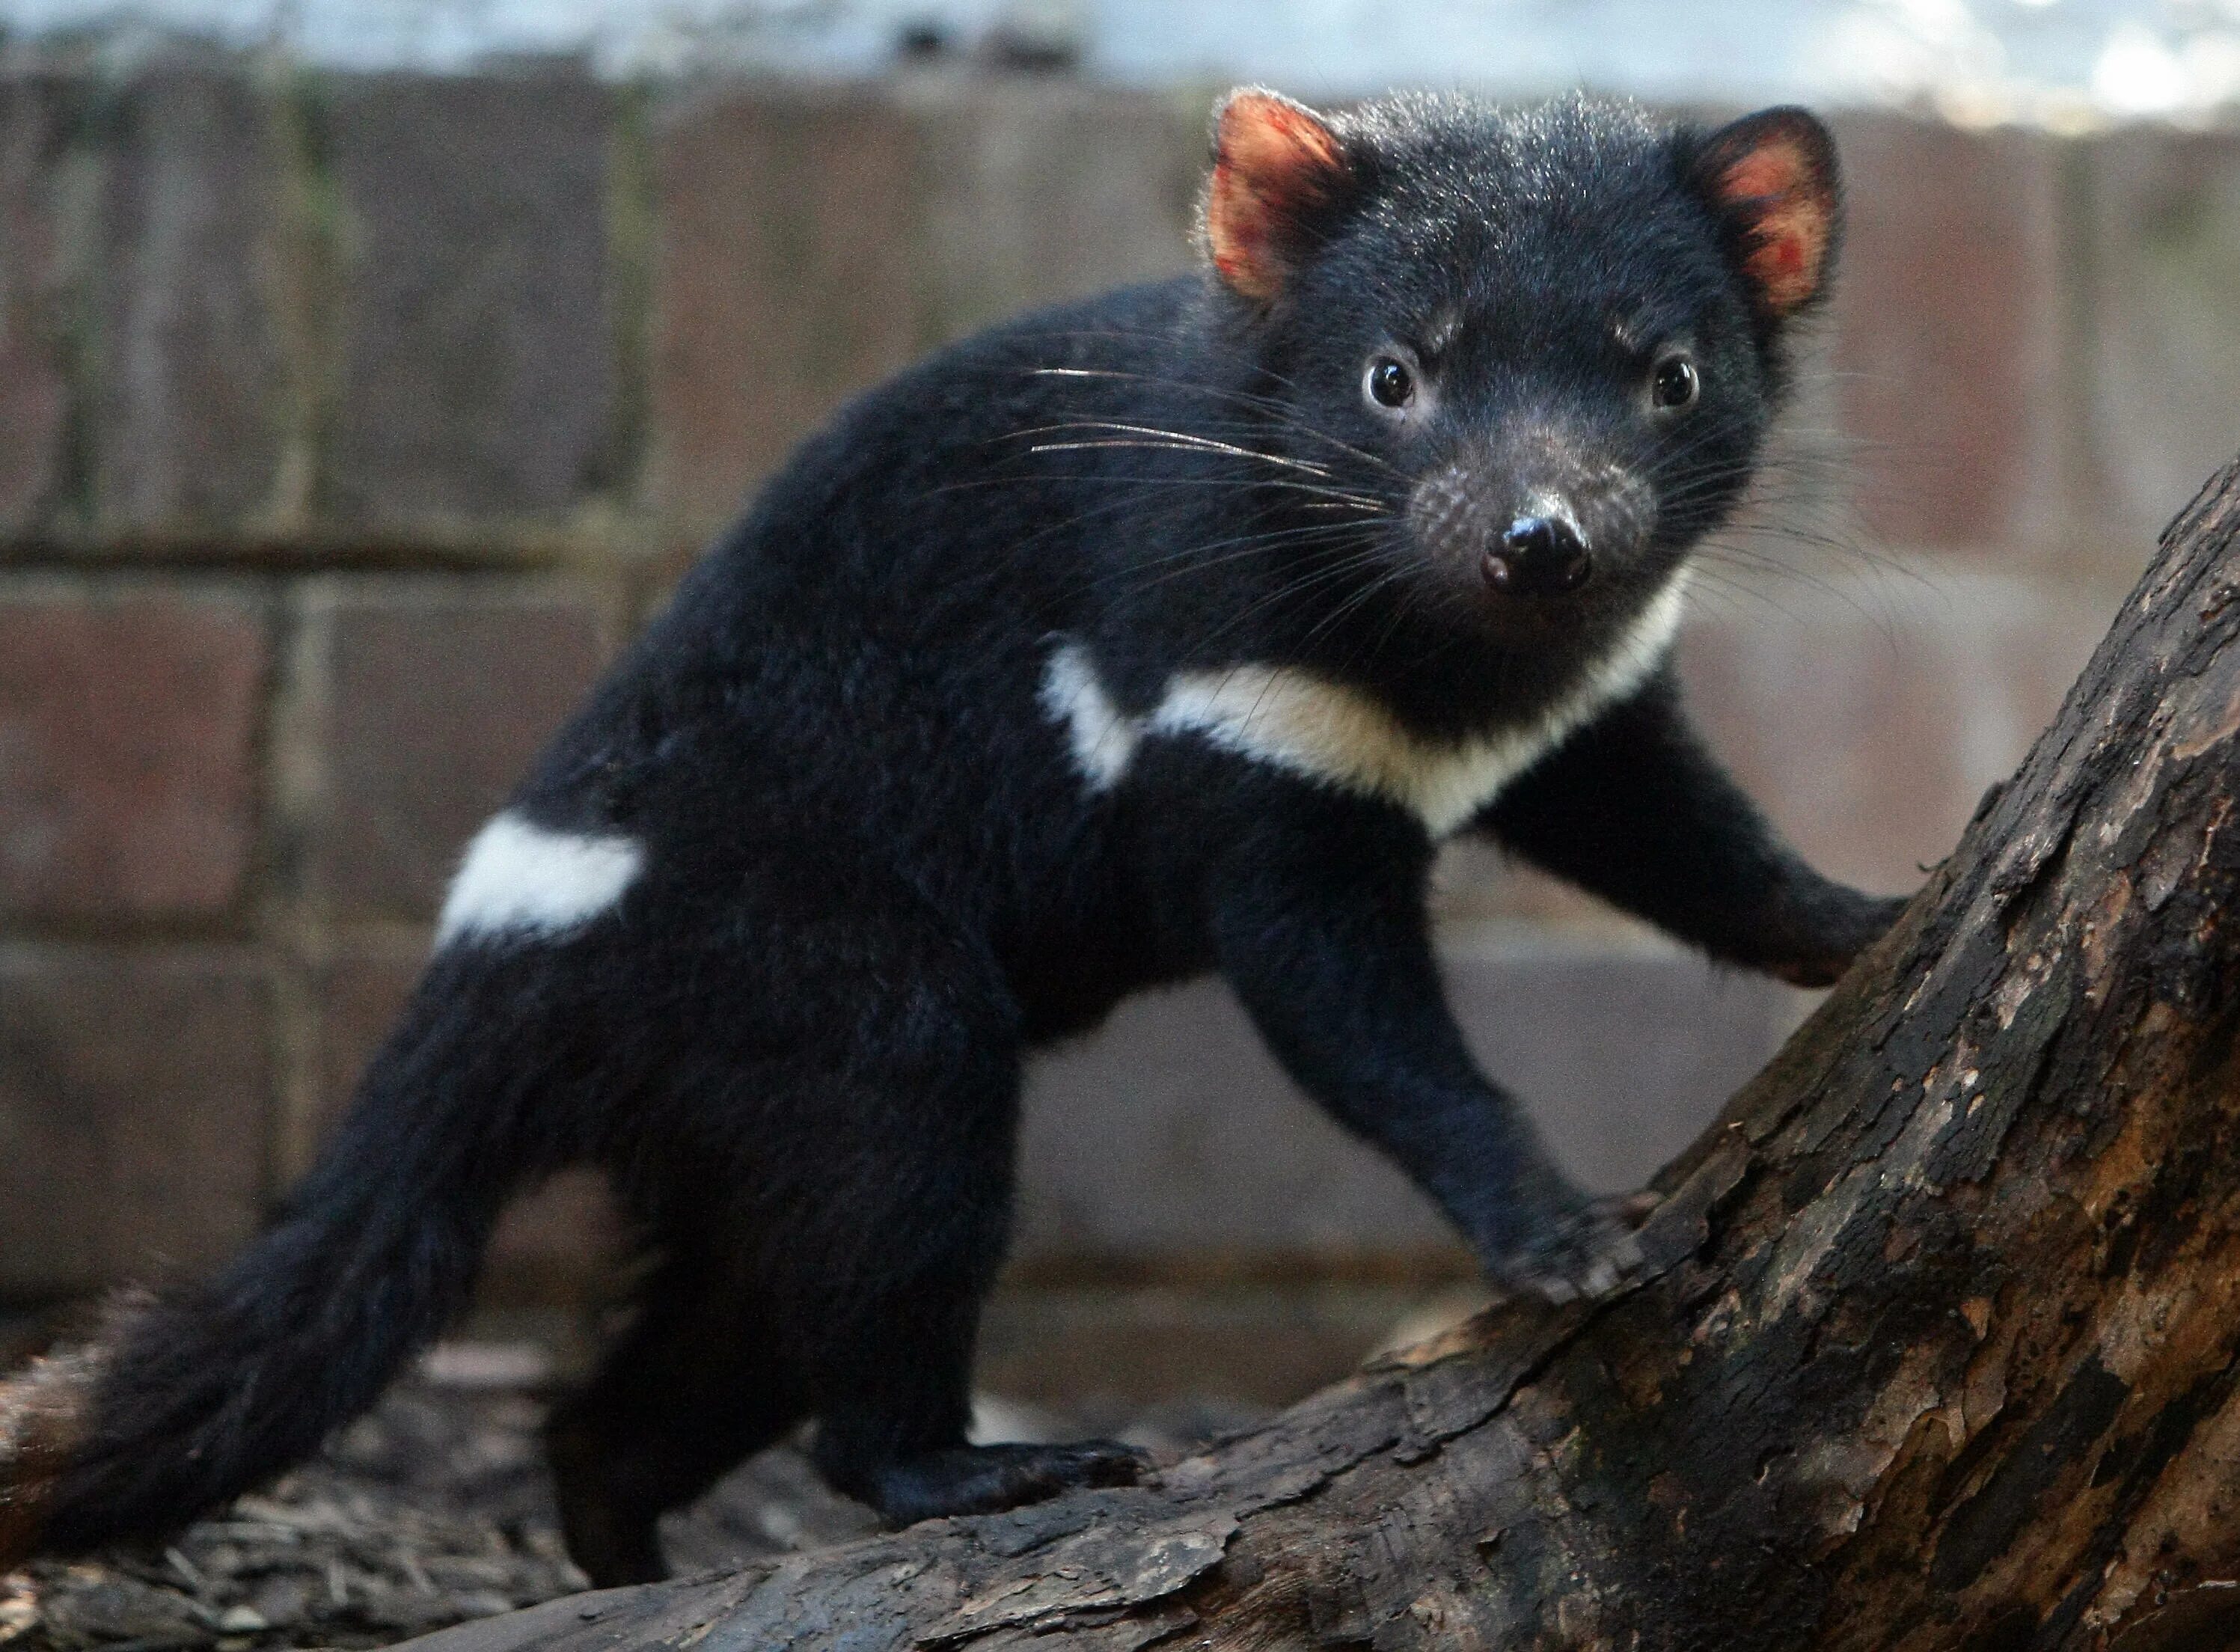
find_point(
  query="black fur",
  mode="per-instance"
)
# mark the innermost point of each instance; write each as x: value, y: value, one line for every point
x: 874, y: 875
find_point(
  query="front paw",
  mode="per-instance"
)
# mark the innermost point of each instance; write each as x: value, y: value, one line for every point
x: 1833, y: 936
x: 1579, y: 1253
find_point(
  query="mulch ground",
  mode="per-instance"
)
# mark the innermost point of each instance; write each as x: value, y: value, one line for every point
x: 434, y: 1510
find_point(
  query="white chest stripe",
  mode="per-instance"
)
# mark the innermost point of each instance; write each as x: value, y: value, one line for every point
x: 1103, y: 738
x: 1329, y: 732
x: 521, y: 879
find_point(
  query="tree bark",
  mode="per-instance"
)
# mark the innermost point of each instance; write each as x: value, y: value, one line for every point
x: 1937, y: 1349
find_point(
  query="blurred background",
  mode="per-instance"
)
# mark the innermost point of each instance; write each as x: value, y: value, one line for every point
x: 370, y: 368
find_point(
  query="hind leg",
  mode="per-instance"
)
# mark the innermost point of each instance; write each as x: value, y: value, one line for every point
x: 838, y: 1123
x: 694, y: 1388
x: 903, y: 1256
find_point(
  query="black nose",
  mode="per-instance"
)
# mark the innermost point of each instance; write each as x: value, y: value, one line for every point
x: 1539, y: 557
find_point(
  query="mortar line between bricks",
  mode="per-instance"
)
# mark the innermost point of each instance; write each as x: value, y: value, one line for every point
x: 2084, y: 467
x: 353, y: 555
x: 235, y: 928
x: 633, y: 212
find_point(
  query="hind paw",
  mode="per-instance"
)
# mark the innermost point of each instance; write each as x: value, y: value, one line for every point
x: 981, y: 1480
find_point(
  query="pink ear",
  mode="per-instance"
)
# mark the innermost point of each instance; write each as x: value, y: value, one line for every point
x: 1275, y: 166
x: 1772, y: 178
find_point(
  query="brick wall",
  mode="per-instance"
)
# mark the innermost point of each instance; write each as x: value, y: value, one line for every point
x: 348, y: 425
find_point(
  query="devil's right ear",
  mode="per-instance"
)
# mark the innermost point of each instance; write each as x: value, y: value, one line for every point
x: 1280, y: 174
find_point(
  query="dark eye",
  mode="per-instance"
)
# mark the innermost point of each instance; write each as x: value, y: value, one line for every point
x: 1390, y: 383
x: 1674, y: 383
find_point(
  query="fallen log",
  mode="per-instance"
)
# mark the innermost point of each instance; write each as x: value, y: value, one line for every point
x: 1937, y: 1349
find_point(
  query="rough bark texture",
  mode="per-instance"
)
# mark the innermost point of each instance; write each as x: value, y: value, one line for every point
x: 1937, y: 1348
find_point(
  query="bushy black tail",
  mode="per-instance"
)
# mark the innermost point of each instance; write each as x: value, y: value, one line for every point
x: 188, y: 1399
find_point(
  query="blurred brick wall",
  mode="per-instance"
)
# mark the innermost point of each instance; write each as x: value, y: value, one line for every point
x: 348, y: 425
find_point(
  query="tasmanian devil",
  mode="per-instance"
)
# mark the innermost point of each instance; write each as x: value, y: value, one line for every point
x: 1166, y: 633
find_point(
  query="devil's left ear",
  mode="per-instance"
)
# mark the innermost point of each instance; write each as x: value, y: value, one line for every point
x: 1771, y: 179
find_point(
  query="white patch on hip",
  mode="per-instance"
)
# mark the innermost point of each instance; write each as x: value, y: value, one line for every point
x: 1342, y: 737
x: 520, y: 879
x: 1103, y: 738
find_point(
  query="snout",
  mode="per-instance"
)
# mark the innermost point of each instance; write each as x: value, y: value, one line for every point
x: 1542, y: 551
x: 1545, y: 554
